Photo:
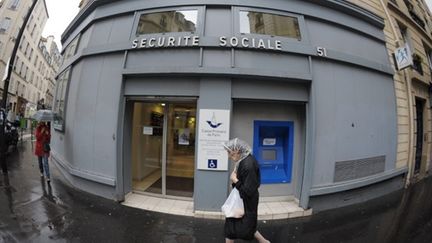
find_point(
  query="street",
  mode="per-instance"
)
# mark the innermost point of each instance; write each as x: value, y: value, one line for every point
x: 33, y: 211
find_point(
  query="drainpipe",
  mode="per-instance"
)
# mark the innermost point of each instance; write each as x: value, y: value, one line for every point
x: 411, y: 128
x: 409, y: 98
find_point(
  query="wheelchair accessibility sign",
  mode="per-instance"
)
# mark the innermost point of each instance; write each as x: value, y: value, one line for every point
x: 212, y: 163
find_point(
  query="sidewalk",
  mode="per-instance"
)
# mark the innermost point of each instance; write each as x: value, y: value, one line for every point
x: 33, y: 211
x: 266, y: 210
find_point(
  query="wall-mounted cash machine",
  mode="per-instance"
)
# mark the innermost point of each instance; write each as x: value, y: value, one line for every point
x: 273, y: 148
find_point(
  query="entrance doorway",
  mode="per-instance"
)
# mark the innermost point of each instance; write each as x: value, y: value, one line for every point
x: 419, y: 140
x: 163, y: 148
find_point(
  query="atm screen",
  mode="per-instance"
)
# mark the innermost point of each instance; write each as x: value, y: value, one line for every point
x: 269, y: 154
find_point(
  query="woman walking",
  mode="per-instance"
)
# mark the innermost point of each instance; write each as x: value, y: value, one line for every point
x: 42, y: 149
x: 246, y: 178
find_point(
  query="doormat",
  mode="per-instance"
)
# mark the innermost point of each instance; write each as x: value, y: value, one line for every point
x: 176, y: 186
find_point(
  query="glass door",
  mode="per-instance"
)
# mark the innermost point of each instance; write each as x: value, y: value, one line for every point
x: 147, y: 140
x: 180, y: 149
x: 163, y: 148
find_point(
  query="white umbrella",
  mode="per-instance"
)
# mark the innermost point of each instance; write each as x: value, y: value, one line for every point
x: 43, y: 115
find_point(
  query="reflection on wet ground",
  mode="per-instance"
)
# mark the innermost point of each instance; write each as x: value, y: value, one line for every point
x: 33, y: 211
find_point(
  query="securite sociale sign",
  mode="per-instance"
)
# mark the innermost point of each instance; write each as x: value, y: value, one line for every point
x: 194, y: 40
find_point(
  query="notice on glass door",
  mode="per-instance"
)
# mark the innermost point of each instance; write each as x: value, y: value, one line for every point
x: 183, y: 136
x: 148, y: 130
x: 213, y: 131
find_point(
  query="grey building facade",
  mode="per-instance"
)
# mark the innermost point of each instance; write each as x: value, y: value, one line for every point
x: 145, y: 84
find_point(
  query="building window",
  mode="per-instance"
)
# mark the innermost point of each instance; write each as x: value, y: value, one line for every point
x: 413, y: 14
x: 417, y: 63
x: 404, y: 33
x: 25, y: 74
x: 14, y: 4
x: 269, y: 24
x: 4, y: 25
x: 429, y: 57
x: 170, y: 21
x: 22, y: 43
x: 21, y: 68
x: 18, y: 67
x: 16, y: 63
x: 26, y: 49
x: 34, y: 28
x: 60, y: 100
x: 70, y: 50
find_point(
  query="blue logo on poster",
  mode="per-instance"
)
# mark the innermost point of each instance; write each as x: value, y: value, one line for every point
x: 213, y: 123
x: 212, y: 163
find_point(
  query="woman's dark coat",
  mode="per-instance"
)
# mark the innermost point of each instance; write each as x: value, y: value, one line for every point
x: 249, y: 179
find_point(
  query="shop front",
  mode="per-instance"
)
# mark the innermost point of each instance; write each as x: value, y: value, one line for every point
x: 162, y: 87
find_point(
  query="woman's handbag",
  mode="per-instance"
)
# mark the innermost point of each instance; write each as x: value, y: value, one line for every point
x: 233, y: 206
x: 46, y: 147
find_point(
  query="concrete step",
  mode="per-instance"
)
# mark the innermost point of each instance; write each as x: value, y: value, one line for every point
x: 268, y: 210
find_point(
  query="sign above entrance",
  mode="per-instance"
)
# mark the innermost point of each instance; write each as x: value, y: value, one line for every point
x: 162, y: 41
x: 193, y: 40
x: 213, y: 131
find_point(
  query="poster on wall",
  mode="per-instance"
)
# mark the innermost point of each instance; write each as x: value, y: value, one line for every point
x: 213, y: 131
x: 183, y: 136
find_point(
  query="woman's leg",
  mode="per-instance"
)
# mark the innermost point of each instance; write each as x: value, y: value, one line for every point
x: 40, y: 165
x: 46, y: 167
x: 228, y: 240
x: 260, y: 238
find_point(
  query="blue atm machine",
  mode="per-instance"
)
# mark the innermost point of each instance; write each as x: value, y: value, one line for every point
x: 273, y: 148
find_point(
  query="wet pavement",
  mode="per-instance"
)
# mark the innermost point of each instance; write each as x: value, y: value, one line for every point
x: 33, y: 211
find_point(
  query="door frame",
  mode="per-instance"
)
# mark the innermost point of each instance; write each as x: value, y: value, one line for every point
x: 422, y: 102
x: 129, y: 101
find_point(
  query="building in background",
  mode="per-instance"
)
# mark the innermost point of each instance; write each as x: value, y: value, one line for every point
x: 83, y: 3
x: 52, y: 60
x: 12, y: 14
x: 37, y: 60
x: 409, y: 23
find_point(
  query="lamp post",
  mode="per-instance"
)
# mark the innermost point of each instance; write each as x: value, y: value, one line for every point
x: 8, y: 71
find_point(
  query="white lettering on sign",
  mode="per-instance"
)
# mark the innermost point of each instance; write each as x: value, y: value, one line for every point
x: 250, y: 43
x: 222, y: 41
x: 321, y: 51
x: 269, y: 141
x: 195, y: 40
x: 171, y: 41
x: 162, y: 41
x: 245, y: 42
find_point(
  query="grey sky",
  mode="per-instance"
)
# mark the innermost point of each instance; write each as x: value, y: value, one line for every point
x: 61, y: 13
x: 429, y: 3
